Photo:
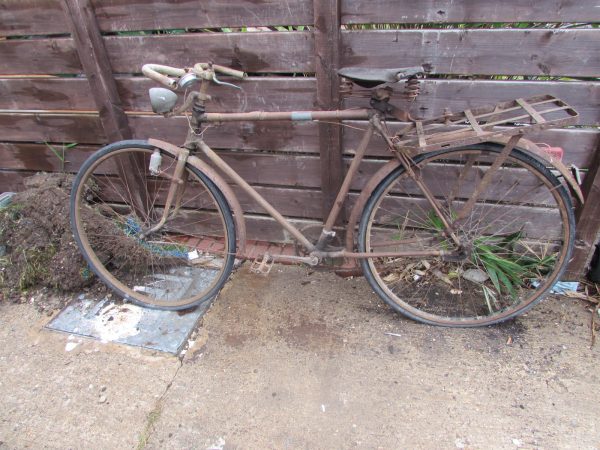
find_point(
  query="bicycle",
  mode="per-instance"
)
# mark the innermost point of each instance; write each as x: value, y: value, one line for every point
x: 468, y: 224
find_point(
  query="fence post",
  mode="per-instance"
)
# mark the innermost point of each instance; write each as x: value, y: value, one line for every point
x: 327, y: 61
x: 588, y: 221
x: 97, y: 68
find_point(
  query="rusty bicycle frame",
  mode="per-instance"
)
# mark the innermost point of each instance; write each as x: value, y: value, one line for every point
x: 474, y: 126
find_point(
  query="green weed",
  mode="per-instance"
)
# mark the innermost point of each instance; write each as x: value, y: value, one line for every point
x: 151, y: 420
x: 61, y: 153
x: 507, y: 259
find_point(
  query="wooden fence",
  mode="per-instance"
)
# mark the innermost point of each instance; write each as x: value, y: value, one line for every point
x: 70, y: 73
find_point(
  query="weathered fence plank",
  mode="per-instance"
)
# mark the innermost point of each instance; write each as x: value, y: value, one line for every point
x: 258, y: 93
x: 30, y: 17
x: 458, y: 95
x: 274, y: 136
x: 299, y: 171
x: 158, y: 14
x: 572, y: 52
x: 41, y: 17
x: 256, y: 168
x: 86, y: 129
x: 258, y: 227
x: 537, y: 222
x: 579, y: 144
x: 252, y: 52
x: 468, y: 11
x: 39, y: 56
x: 39, y: 157
x: 284, y: 94
x: 299, y: 203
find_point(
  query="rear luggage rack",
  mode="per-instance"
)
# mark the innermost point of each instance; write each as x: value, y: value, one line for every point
x: 476, y: 125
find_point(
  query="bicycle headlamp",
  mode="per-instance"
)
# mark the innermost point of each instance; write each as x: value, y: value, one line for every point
x: 162, y: 100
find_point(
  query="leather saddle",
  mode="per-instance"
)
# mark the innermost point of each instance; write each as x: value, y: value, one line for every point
x: 370, y: 78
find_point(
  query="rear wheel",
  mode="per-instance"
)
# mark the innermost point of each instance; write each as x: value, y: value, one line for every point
x: 516, y: 240
x: 116, y: 201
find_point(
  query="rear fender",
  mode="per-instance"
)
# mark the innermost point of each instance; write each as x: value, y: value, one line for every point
x: 524, y: 144
x: 547, y: 159
x: 364, y: 196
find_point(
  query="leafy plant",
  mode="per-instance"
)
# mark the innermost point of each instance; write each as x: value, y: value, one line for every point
x: 507, y: 259
x: 434, y: 222
x: 61, y: 153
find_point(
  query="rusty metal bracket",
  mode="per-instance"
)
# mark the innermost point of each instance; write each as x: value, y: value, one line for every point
x: 487, y: 178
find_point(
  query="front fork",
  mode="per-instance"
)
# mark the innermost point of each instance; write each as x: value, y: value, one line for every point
x: 178, y: 181
x: 175, y: 195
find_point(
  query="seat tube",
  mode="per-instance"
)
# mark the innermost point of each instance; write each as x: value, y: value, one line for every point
x: 327, y: 231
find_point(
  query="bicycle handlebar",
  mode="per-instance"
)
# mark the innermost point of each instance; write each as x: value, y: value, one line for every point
x: 160, y: 73
x: 222, y: 69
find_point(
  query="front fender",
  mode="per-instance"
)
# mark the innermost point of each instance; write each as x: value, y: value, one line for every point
x: 234, y: 204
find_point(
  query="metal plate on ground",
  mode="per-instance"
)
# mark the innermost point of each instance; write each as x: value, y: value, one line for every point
x: 124, y: 323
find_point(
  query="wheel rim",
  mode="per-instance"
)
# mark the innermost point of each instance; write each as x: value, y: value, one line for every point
x: 182, y: 264
x: 505, y: 238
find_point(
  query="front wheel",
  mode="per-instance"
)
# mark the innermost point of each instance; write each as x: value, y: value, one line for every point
x: 117, y: 201
x: 516, y: 240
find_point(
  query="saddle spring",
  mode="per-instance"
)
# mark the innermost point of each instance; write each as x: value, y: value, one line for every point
x: 412, y: 89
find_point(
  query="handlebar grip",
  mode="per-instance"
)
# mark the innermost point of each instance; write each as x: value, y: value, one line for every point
x: 158, y: 73
x: 221, y: 69
x: 228, y: 71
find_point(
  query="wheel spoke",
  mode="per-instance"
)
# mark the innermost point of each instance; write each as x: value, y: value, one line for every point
x: 182, y: 264
x: 516, y: 238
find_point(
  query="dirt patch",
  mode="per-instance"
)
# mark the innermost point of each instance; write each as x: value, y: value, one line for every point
x: 42, y: 263
x: 41, y: 255
x: 40, y: 251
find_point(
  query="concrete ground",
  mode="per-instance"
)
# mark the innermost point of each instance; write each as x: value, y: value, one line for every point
x: 302, y: 360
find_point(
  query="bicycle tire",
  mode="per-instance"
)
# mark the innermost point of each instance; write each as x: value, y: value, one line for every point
x: 519, y: 237
x: 183, y: 264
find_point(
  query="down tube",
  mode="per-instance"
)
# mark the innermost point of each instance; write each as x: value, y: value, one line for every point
x: 255, y: 195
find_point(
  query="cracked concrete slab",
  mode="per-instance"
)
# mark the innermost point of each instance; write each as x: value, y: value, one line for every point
x: 304, y: 361
x: 58, y: 391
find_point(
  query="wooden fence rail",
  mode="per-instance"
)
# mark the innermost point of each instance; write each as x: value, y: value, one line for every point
x: 70, y: 73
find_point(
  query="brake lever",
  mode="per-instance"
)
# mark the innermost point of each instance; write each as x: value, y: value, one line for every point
x: 223, y: 83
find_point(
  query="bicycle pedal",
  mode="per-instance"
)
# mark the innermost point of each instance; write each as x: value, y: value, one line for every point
x: 262, y: 266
